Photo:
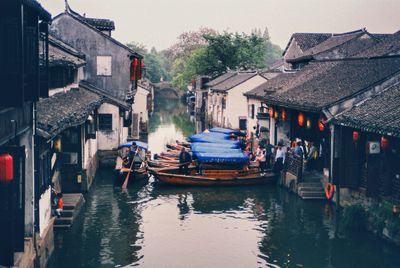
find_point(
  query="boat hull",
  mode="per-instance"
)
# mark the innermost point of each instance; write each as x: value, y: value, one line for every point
x: 134, y: 176
x: 224, y: 179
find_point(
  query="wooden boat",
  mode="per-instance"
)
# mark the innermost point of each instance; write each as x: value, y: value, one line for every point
x: 213, y: 177
x: 163, y: 163
x: 120, y: 173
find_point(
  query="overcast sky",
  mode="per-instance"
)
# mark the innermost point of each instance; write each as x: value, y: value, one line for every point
x: 158, y: 22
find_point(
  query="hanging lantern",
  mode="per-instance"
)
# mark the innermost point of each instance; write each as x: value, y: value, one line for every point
x: 308, y: 123
x: 6, y: 168
x: 271, y: 112
x: 300, y: 119
x: 356, y: 135
x: 384, y: 142
x: 142, y: 68
x: 57, y: 145
x: 283, y: 115
x: 134, y: 69
x: 276, y: 115
x: 321, y: 124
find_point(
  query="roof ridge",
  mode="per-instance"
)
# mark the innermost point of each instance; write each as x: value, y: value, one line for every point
x: 64, y: 46
x: 362, y: 30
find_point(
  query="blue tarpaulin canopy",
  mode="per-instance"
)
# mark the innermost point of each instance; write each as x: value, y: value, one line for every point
x: 140, y: 144
x: 203, y: 146
x: 215, y: 150
x: 214, y: 137
x: 226, y: 157
x: 225, y: 131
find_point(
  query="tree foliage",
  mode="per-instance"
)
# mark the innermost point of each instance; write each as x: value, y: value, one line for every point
x: 207, y: 52
x: 223, y: 52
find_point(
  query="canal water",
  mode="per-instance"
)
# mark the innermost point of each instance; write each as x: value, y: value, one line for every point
x: 157, y: 226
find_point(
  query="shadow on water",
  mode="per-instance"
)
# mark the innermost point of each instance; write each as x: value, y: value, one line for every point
x: 153, y: 225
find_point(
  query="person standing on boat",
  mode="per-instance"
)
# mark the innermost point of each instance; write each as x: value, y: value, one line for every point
x: 184, y: 161
x: 136, y: 155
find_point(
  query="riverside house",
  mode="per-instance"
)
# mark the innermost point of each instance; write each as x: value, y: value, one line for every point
x: 24, y: 76
x: 227, y: 106
x: 111, y: 67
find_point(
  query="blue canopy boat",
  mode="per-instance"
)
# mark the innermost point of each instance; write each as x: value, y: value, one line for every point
x: 139, y: 167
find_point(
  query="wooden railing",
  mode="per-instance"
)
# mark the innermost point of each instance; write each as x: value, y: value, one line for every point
x: 294, y: 165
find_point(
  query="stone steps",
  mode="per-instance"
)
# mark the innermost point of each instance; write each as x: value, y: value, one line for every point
x: 72, y: 205
x: 311, y: 190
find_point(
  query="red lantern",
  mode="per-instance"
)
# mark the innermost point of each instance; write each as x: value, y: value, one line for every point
x: 300, y: 119
x: 384, y: 142
x: 356, y: 135
x: 6, y: 168
x: 276, y: 115
x: 284, y: 115
x: 321, y: 124
x: 271, y: 112
x: 136, y: 69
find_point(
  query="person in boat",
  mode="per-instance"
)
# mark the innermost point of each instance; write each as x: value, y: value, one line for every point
x: 136, y: 155
x: 184, y: 161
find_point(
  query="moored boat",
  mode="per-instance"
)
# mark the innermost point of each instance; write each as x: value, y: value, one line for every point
x: 213, y: 177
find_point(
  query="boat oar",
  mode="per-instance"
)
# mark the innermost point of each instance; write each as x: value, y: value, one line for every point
x: 125, y: 184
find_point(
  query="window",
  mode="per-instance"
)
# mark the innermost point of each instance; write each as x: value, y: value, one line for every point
x: 105, y: 122
x: 242, y: 123
x: 104, y: 65
x: 251, y: 111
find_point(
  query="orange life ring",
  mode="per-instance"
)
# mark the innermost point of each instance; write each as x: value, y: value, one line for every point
x: 329, y: 190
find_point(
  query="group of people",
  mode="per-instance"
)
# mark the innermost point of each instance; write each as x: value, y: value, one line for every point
x: 266, y: 152
x: 309, y: 155
x: 57, y: 202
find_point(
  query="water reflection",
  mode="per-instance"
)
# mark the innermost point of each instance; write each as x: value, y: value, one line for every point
x: 252, y: 226
x: 169, y: 122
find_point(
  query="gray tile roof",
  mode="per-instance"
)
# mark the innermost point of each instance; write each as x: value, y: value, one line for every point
x: 307, y: 40
x: 233, y: 81
x: 378, y: 114
x: 220, y: 79
x: 390, y: 45
x: 328, y: 44
x: 336, y: 45
x: 260, y: 91
x: 101, y: 24
x: 64, y: 110
x: 323, y: 83
x: 61, y: 54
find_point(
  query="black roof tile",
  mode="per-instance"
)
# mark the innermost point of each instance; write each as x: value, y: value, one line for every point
x: 378, y: 114
x: 323, y: 83
x: 64, y: 110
